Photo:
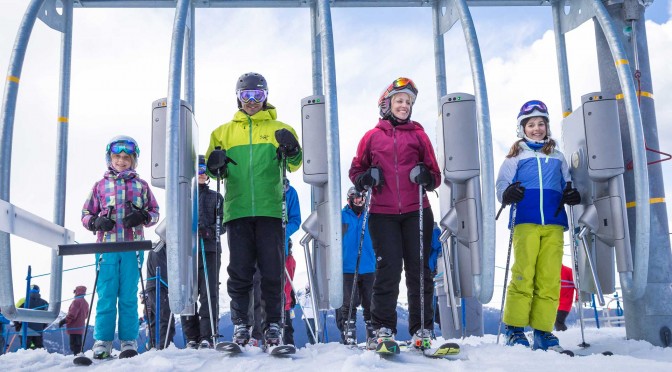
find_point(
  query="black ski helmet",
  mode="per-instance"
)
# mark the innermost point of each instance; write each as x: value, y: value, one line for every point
x: 250, y: 81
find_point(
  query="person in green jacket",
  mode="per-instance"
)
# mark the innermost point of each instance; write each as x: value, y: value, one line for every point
x: 256, y: 144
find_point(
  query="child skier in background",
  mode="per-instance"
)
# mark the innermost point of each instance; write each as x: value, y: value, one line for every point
x: 533, y: 177
x: 118, y: 208
x: 566, y: 297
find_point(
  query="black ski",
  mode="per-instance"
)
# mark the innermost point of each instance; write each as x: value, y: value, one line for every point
x: 281, y: 350
x: 128, y: 354
x: 229, y: 348
x: 84, y: 361
x: 387, y: 348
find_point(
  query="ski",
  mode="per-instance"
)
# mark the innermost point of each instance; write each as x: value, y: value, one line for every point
x: 446, y: 350
x: 604, y: 353
x: 84, y: 361
x: 281, y: 350
x: 387, y: 348
x: 229, y: 347
x: 128, y: 354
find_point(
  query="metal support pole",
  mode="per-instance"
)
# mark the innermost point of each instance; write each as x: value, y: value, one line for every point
x: 7, y: 114
x: 483, y: 283
x: 173, y: 216
x: 333, y: 155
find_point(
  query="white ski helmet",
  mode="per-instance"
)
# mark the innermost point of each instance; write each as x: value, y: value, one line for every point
x: 122, y: 144
x: 399, y: 85
x: 529, y: 110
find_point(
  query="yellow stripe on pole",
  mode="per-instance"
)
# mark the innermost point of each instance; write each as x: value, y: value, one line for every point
x: 642, y: 93
x: 62, y: 119
x: 13, y: 79
x: 621, y: 62
x: 651, y: 201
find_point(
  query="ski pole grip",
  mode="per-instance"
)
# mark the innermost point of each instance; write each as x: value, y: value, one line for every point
x: 568, y: 186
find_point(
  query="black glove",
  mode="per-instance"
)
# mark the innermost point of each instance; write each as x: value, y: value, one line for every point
x: 17, y: 326
x: 372, y: 177
x: 513, y: 194
x: 217, y: 161
x: 101, y: 223
x: 288, y: 146
x: 421, y: 176
x: 137, y: 218
x: 61, y: 323
x: 570, y: 196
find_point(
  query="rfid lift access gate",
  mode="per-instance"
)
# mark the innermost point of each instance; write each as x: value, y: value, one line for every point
x: 325, y: 265
x: 461, y: 239
x: 183, y: 256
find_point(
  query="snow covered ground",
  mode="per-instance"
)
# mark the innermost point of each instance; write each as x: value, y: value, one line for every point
x: 478, y: 354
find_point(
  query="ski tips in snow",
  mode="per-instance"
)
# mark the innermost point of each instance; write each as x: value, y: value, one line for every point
x: 281, y: 350
x: 82, y: 360
x: 229, y: 347
x: 128, y: 354
x: 386, y: 348
x: 448, y: 349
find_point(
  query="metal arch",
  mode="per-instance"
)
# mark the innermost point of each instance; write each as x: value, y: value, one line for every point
x: 634, y: 284
x: 458, y: 9
x: 294, y: 3
x: 20, y: 222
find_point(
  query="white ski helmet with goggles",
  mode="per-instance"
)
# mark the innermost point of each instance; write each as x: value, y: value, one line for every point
x: 120, y: 144
x: 399, y: 85
x: 532, y: 109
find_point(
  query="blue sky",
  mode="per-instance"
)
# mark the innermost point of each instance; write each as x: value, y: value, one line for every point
x: 120, y: 66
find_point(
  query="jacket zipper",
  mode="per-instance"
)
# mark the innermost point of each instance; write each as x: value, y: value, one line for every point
x: 396, y: 166
x: 541, y: 188
x: 249, y: 121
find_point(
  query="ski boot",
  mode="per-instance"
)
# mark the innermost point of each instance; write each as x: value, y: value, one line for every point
x: 349, y: 334
x: 102, y: 349
x: 370, y: 332
x: 192, y: 344
x: 129, y: 349
x: 546, y: 341
x: 205, y: 344
x: 382, y: 334
x: 516, y: 336
x: 273, y: 335
x: 422, y: 339
x: 241, y: 334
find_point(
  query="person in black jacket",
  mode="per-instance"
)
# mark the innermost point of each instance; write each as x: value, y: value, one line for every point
x: 34, y: 335
x: 197, y: 328
x: 166, y: 323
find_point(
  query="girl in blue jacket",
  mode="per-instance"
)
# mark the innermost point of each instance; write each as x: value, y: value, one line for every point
x: 532, y: 179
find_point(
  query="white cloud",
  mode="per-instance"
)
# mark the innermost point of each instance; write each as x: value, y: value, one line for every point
x: 120, y: 65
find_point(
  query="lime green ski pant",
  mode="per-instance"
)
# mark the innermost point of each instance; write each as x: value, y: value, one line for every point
x: 533, y: 293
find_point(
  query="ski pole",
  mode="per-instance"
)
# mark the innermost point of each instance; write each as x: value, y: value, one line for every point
x: 170, y: 321
x: 362, y: 234
x: 207, y: 290
x: 142, y: 286
x: 284, y: 246
x: 514, y: 209
x: 93, y: 296
x: 218, y: 230
x: 291, y: 283
x: 421, y: 191
x: 575, y: 261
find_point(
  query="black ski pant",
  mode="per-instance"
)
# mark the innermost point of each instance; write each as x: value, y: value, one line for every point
x: 288, y: 335
x: 76, y: 344
x: 197, y: 327
x: 396, y: 242
x: 33, y: 342
x: 164, y: 317
x: 255, y: 242
x: 363, y: 293
x: 256, y: 309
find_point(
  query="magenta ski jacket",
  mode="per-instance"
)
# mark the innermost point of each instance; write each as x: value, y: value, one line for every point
x: 395, y: 150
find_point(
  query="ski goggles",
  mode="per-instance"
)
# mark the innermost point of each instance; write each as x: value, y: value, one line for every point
x: 531, y: 106
x: 401, y: 83
x: 201, y: 169
x: 128, y: 147
x: 257, y: 95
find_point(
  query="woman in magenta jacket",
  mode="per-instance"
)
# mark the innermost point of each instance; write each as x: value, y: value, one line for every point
x: 395, y: 159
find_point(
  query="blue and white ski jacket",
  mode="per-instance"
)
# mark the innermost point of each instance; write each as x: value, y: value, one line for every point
x: 352, y: 232
x: 543, y: 177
